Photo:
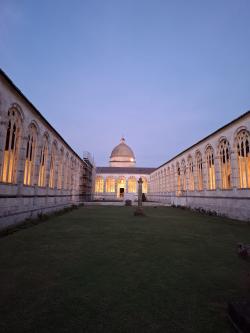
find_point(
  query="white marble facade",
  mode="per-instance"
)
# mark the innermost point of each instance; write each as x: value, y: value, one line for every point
x: 39, y: 171
x: 213, y: 174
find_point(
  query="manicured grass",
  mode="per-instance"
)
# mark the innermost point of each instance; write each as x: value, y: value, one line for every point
x: 100, y: 269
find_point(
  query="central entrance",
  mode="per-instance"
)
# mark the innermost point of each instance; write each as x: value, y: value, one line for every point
x: 121, y: 192
x: 121, y: 187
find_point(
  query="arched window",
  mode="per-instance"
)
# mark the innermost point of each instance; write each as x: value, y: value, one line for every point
x: 99, y: 184
x: 168, y: 180
x: 60, y: 170
x: 11, y: 147
x: 243, y: 158
x: 52, y: 167
x: 43, y: 163
x: 172, y: 178
x: 132, y: 185
x: 225, y: 167
x: 210, y: 168
x: 199, y: 171
x: 178, y: 170
x: 110, y: 185
x: 183, y: 176
x: 30, y: 155
x: 144, y: 185
x: 66, y: 172
x: 190, y: 174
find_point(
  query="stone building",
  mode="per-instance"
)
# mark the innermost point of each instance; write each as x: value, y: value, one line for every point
x: 39, y: 171
x: 119, y: 181
x: 213, y: 174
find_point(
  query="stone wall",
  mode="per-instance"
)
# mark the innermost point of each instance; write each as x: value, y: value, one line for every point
x: 62, y: 185
x: 213, y: 174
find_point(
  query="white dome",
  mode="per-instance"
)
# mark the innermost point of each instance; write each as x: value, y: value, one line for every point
x: 122, y: 155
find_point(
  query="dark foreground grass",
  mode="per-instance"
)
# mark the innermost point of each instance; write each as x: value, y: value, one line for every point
x: 100, y: 269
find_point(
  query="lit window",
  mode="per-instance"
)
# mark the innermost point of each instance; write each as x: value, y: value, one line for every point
x: 178, y: 178
x: 132, y: 185
x: 210, y: 168
x: 225, y: 167
x: 99, y: 184
x: 60, y: 170
x: 243, y: 158
x: 52, y: 167
x: 190, y: 174
x: 43, y: 163
x: 30, y: 155
x: 11, y: 147
x: 183, y: 176
x: 199, y: 171
x: 110, y: 185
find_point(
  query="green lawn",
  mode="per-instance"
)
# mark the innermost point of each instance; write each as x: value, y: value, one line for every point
x: 100, y: 269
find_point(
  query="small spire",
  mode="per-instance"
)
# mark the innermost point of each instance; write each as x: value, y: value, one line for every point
x: 122, y: 139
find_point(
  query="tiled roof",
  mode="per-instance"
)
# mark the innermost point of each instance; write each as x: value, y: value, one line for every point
x: 121, y: 170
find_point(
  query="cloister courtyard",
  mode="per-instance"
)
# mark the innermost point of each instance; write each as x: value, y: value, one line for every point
x: 100, y: 269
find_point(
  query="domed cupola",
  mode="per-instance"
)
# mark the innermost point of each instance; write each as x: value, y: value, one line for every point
x: 122, y: 156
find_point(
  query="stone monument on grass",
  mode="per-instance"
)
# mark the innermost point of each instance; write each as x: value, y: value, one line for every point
x: 139, y: 210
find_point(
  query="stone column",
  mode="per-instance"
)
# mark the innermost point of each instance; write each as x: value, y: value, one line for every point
x: 139, y: 211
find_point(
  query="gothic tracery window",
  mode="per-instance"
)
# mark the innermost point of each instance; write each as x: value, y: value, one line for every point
x: 183, y: 176
x: 110, y: 185
x: 43, y: 163
x: 11, y: 147
x: 52, y: 166
x: 178, y: 170
x: 243, y: 158
x: 199, y: 171
x: 99, y: 184
x: 190, y: 174
x: 225, y: 165
x: 60, y: 170
x: 210, y: 168
x: 30, y: 156
x: 132, y: 185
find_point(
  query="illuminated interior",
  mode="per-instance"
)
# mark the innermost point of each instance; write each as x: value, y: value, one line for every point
x: 190, y: 174
x: 178, y: 177
x: 132, y: 185
x: 110, y: 185
x: 99, y: 184
x: 210, y: 168
x: 243, y: 158
x: 183, y: 176
x: 199, y: 171
x: 225, y: 167
x: 11, y: 148
x: 30, y: 155
x: 60, y: 171
x: 43, y: 163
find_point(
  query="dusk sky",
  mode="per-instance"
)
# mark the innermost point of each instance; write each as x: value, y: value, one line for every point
x: 162, y: 73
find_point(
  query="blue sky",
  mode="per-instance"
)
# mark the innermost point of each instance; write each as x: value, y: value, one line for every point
x: 162, y: 73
